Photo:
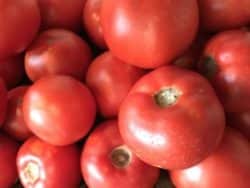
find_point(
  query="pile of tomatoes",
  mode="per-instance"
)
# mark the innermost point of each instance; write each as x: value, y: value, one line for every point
x: 124, y: 93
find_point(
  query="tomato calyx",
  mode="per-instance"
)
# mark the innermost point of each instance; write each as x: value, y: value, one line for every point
x: 120, y: 157
x: 167, y: 97
x: 31, y: 172
x: 208, y: 67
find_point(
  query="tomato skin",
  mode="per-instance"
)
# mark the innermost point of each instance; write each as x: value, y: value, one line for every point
x: 14, y: 123
x: 26, y: 20
x: 110, y: 80
x: 177, y: 135
x: 8, y: 170
x: 59, y: 109
x: 144, y: 34
x: 226, y: 63
x: 96, y: 159
x: 3, y: 101
x: 57, y: 51
x: 61, y: 14
x: 228, y: 166
x: 51, y: 164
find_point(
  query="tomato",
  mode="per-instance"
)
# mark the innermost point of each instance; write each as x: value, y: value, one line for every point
x: 61, y: 14
x: 110, y: 80
x: 8, y: 170
x: 228, y: 167
x: 219, y: 15
x: 3, y: 101
x: 59, y: 109
x: 14, y: 123
x: 106, y: 162
x: 43, y: 165
x: 166, y: 121
x: 225, y: 62
x: 57, y: 51
x: 92, y: 23
x: 19, y: 23
x: 149, y: 33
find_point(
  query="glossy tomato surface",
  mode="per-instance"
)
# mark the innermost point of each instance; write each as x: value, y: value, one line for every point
x: 57, y: 51
x: 43, y: 165
x: 59, y: 109
x: 172, y: 118
x: 110, y: 80
x: 228, y: 167
x: 3, y: 101
x: 106, y: 162
x: 149, y: 33
x: 19, y: 23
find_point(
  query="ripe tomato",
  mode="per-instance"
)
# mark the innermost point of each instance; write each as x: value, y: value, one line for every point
x: 228, y: 167
x: 110, y: 80
x: 92, y: 23
x: 166, y: 121
x: 3, y: 101
x: 219, y: 15
x: 59, y: 109
x: 43, y: 165
x: 61, y: 14
x: 19, y: 23
x: 226, y: 63
x: 8, y: 170
x: 149, y: 33
x: 14, y: 123
x: 57, y: 51
x: 106, y: 162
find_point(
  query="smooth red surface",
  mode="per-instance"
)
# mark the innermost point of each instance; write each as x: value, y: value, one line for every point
x: 58, y: 167
x: 59, y: 109
x: 19, y: 23
x: 57, y: 51
x: 14, y: 123
x: 228, y: 167
x: 149, y: 33
x: 98, y: 169
x: 176, y: 136
x: 3, y: 101
x: 110, y: 80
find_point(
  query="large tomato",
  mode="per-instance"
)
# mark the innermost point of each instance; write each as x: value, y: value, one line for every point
x: 228, y: 167
x: 59, y: 109
x: 149, y: 33
x: 226, y: 63
x: 57, y: 51
x: 19, y: 23
x: 106, y: 162
x: 3, y: 101
x: 172, y: 118
x: 43, y: 165
x: 110, y: 80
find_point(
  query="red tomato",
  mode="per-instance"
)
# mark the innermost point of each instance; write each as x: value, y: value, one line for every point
x: 8, y: 170
x: 92, y: 23
x: 59, y: 109
x: 166, y: 121
x: 226, y: 63
x: 228, y: 167
x: 61, y: 14
x: 14, y: 123
x: 57, y: 51
x: 19, y: 23
x: 149, y: 33
x: 219, y: 15
x: 3, y: 101
x: 43, y: 165
x: 106, y: 162
x: 110, y: 81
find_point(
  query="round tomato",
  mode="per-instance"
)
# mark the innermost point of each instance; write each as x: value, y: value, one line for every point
x: 59, y: 109
x: 172, y: 118
x: 14, y: 123
x: 228, y: 167
x: 8, y: 170
x: 57, y: 51
x: 110, y: 80
x: 19, y: 23
x: 3, y: 101
x: 106, y: 162
x: 149, y: 33
x: 225, y: 62
x: 43, y: 165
